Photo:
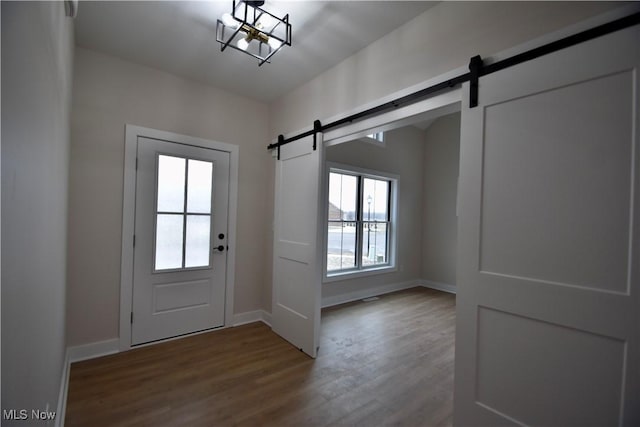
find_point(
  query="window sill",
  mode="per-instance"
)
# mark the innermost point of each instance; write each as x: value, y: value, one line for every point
x: 337, y: 277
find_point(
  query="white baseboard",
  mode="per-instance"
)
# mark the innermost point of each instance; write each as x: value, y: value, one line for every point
x: 266, y: 318
x: 104, y: 348
x: 76, y: 354
x: 107, y: 347
x: 439, y: 286
x: 369, y: 292
x: 62, y: 394
x: 252, y: 316
x: 247, y: 317
x: 93, y: 350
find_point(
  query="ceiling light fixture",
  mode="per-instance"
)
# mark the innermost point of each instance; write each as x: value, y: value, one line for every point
x: 253, y: 30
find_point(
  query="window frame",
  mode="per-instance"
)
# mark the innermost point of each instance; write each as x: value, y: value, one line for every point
x: 392, y: 247
x: 185, y: 214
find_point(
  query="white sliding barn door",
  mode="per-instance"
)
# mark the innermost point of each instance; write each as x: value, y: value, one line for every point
x: 548, y: 308
x: 297, y: 251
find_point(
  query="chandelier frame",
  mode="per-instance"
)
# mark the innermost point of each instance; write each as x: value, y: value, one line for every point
x: 247, y: 15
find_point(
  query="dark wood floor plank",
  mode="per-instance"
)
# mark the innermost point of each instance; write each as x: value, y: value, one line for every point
x: 384, y: 362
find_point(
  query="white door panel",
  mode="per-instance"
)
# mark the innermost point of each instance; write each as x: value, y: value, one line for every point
x: 548, y: 308
x: 297, y: 262
x: 171, y: 300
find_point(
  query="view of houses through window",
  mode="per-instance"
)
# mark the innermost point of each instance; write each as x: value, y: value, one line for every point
x: 358, y: 221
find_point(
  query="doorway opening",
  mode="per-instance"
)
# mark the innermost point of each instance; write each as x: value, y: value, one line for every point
x: 400, y: 230
x: 412, y: 232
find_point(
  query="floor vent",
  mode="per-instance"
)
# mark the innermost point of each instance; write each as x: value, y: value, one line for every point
x: 370, y: 299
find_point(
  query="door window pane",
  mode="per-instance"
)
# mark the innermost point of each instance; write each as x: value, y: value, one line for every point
x: 171, y: 172
x: 199, y: 187
x: 169, y: 230
x: 183, y: 238
x: 197, y: 244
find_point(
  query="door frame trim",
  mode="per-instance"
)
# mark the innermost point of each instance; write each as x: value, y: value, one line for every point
x: 132, y: 132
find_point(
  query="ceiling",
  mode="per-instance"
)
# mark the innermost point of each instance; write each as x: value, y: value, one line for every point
x: 180, y: 37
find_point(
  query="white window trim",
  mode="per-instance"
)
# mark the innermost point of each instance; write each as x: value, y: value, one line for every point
x: 392, y: 266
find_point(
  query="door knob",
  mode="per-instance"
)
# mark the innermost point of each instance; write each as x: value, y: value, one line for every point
x: 220, y: 248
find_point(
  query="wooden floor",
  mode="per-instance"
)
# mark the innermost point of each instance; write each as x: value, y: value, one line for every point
x: 384, y: 362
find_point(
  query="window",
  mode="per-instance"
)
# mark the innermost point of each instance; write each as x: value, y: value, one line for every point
x: 378, y: 136
x: 376, y: 139
x: 361, y: 210
x: 183, y: 213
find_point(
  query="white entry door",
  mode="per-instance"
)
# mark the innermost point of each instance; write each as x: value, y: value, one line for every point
x: 548, y: 305
x: 180, y: 248
x: 297, y: 254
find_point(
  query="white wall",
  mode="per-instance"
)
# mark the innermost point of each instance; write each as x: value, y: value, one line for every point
x: 441, y: 167
x: 109, y: 93
x: 403, y: 156
x: 440, y: 40
x: 37, y: 52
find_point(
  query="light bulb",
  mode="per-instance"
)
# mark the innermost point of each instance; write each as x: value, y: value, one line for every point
x: 266, y: 21
x: 274, y: 43
x: 228, y: 20
x: 243, y: 44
